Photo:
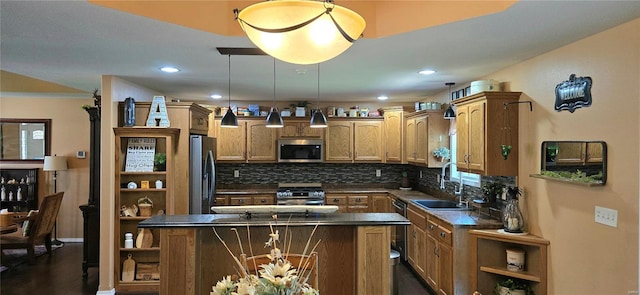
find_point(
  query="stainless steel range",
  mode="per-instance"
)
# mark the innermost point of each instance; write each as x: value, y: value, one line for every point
x: 300, y: 194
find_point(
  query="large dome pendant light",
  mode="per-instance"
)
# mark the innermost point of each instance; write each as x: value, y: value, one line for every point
x: 449, y: 113
x: 301, y: 31
x: 274, y: 120
x: 318, y: 120
x: 229, y: 119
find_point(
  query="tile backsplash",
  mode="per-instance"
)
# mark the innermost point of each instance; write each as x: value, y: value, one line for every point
x: 270, y: 173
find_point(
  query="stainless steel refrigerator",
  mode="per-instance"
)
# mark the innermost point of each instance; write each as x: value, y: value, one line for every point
x: 202, y: 174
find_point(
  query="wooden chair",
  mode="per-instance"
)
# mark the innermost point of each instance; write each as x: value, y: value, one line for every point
x: 40, y: 231
x: 309, y: 264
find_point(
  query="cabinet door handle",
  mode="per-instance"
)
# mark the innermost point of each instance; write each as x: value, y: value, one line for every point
x: 336, y: 200
x: 358, y: 200
x: 241, y: 201
x: 430, y: 226
x: 443, y: 234
x: 263, y: 201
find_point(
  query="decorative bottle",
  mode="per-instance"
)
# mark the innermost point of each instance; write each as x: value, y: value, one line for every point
x: 19, y: 194
x: 512, y: 219
x: 3, y: 193
x: 129, y: 112
x: 128, y: 240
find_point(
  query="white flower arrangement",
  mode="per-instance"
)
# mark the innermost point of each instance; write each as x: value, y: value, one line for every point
x: 278, y: 277
x: 442, y: 152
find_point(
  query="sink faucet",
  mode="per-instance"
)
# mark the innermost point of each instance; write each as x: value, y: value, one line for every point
x: 458, y: 188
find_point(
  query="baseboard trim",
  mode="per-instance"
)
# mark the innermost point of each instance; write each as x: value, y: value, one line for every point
x: 109, y: 292
x: 72, y: 240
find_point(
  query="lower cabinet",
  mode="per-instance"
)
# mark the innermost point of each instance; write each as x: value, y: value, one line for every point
x: 416, y: 241
x: 381, y: 203
x: 245, y: 199
x: 439, y: 252
x: 352, y: 203
x: 440, y: 256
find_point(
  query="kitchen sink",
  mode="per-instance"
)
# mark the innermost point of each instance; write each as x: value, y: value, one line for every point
x: 439, y: 205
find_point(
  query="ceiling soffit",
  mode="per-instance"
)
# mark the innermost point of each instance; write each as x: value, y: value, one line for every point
x: 384, y: 18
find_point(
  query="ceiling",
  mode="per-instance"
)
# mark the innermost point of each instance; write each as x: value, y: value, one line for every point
x: 73, y: 43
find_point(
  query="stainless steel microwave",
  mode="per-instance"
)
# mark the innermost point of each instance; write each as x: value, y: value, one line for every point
x: 301, y: 150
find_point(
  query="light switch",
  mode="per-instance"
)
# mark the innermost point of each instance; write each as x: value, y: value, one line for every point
x: 378, y: 173
x: 236, y: 173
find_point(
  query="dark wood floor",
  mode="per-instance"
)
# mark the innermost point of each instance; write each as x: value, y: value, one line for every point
x: 61, y: 274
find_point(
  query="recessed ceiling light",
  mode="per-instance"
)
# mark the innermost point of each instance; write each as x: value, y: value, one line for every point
x: 216, y: 96
x: 169, y: 69
x: 383, y: 97
x: 426, y: 72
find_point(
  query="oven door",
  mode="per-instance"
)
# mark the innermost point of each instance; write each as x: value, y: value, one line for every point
x: 400, y: 235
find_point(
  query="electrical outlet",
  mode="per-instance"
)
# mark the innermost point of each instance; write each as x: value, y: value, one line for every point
x: 236, y: 173
x: 378, y: 173
x: 421, y: 175
x: 607, y: 216
x: 438, y: 178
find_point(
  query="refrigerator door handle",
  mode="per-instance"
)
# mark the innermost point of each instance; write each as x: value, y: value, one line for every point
x: 209, y: 180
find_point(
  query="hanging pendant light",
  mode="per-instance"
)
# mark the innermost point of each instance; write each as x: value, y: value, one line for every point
x: 274, y: 120
x: 449, y: 113
x: 301, y: 31
x: 318, y: 120
x: 229, y: 119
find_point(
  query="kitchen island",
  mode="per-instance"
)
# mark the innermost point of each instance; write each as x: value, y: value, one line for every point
x: 353, y: 252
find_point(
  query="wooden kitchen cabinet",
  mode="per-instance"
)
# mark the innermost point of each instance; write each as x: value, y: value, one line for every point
x: 393, y: 134
x: 417, y: 241
x: 231, y: 142
x: 251, y: 141
x: 381, y: 203
x: 293, y: 129
x: 480, y: 120
x: 489, y: 262
x: 128, y: 195
x: 339, y: 141
x: 245, y: 199
x: 351, y: 203
x: 261, y: 141
x: 354, y: 141
x: 425, y: 132
x: 439, y: 248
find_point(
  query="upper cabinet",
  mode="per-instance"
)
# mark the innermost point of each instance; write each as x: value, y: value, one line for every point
x: 261, y: 141
x: 425, y: 132
x: 481, y: 130
x: 354, y: 141
x: 251, y: 141
x: 393, y: 130
x: 293, y: 129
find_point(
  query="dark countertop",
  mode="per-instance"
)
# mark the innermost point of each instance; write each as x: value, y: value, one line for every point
x: 462, y: 219
x: 231, y: 220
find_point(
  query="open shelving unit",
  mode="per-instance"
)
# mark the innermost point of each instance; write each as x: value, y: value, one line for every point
x: 162, y: 198
x: 490, y: 260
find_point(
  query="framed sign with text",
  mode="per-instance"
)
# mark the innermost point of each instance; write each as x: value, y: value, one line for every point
x: 573, y: 94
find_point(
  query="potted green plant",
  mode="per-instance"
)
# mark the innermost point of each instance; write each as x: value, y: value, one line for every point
x: 491, y: 190
x: 160, y: 162
x: 513, y: 286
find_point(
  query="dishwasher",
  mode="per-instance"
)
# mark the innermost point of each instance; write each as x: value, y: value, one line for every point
x: 400, y: 243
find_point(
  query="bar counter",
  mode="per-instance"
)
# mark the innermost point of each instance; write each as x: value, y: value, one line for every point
x: 353, y: 253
